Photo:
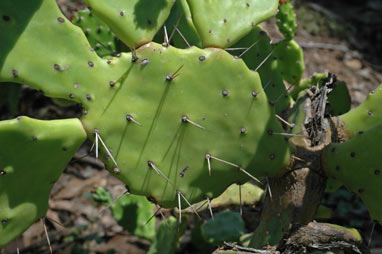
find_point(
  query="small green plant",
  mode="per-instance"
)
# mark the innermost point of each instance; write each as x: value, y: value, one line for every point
x: 178, y: 122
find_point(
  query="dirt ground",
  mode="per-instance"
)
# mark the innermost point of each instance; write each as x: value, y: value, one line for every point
x: 77, y: 224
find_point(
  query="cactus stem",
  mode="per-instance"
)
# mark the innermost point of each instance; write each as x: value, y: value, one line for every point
x: 176, y: 25
x: 181, y: 35
x: 2, y: 172
x: 210, y: 207
x: 166, y: 42
x: 208, y: 158
x: 189, y: 204
x: 185, y: 119
x: 130, y: 118
x: 158, y: 171
x: 243, y: 130
x: 249, y: 48
x: 265, y: 59
x: 98, y: 137
x: 241, y: 205
x: 46, y: 234
x: 291, y: 125
x: 174, y: 75
x: 179, y: 208
x: 269, y: 188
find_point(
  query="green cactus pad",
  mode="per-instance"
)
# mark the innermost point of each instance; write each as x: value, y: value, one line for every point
x: 367, y: 115
x: 250, y: 195
x: 291, y: 61
x: 58, y: 61
x: 269, y: 70
x: 167, y: 237
x: 135, y: 22
x: 286, y: 20
x: 226, y: 226
x: 33, y: 154
x: 98, y: 33
x: 357, y: 164
x: 181, y: 18
x: 339, y: 99
x: 238, y: 126
x: 132, y: 212
x: 137, y: 106
x: 223, y: 23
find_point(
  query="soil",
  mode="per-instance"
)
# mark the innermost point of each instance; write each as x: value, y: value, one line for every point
x: 77, y: 224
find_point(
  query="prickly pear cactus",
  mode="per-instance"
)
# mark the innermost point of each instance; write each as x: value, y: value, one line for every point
x: 359, y: 168
x: 286, y: 20
x: 169, y: 121
x: 222, y: 23
x: 226, y: 226
x: 150, y: 115
x: 132, y: 212
x: 258, y: 55
x: 26, y: 177
x: 135, y: 22
x: 99, y: 35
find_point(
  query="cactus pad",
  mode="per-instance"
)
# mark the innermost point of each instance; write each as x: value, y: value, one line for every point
x: 227, y: 116
x: 180, y: 17
x: 227, y: 226
x: 260, y: 57
x: 98, y: 33
x: 367, y: 115
x: 357, y: 164
x: 26, y: 177
x: 223, y: 23
x: 135, y: 22
x: 291, y: 61
x: 286, y: 20
x: 157, y: 118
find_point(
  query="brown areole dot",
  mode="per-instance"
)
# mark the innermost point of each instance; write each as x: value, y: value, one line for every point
x: 61, y: 20
x: 15, y: 73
